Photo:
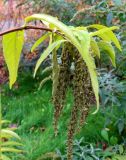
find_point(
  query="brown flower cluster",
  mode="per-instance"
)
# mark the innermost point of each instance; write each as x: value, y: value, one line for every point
x: 82, y: 91
x: 63, y: 81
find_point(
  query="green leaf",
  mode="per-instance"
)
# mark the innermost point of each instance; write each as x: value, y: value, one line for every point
x: 12, y: 47
x: 121, y: 149
x: 84, y: 38
x: 120, y: 157
x: 121, y: 126
x: 39, y: 41
x: 106, y: 34
x: 104, y: 134
x: 45, y: 54
x: 95, y: 47
x: 109, y: 49
x: 113, y: 140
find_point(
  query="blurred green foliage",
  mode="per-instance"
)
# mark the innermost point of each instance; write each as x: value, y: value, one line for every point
x: 60, y: 8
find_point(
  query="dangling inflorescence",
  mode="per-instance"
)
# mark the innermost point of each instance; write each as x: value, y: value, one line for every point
x: 82, y: 91
x: 63, y: 82
x: 76, y: 107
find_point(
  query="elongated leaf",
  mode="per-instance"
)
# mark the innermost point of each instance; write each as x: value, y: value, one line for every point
x: 105, y: 135
x: 5, y: 121
x: 5, y: 157
x: 109, y: 35
x: 11, y: 129
x: 81, y: 28
x: 103, y: 36
x: 95, y: 47
x: 44, y: 81
x: 46, y: 53
x: 59, y: 25
x: 7, y: 149
x: 57, y: 38
x: 104, y: 30
x: 109, y: 49
x: 9, y: 133
x: 84, y: 38
x: 6, y: 136
x: 46, y: 70
x: 12, y: 47
x: 11, y: 143
x: 39, y: 41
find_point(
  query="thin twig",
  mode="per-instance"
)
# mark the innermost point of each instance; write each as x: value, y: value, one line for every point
x: 29, y: 27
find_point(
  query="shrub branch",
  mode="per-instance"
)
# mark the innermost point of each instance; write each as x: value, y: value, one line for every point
x: 29, y: 27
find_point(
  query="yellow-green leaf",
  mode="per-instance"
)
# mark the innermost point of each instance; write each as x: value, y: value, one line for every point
x: 104, y: 31
x: 57, y: 37
x: 9, y: 133
x: 44, y: 81
x: 39, y: 41
x: 108, y: 48
x: 106, y: 34
x: 46, y: 70
x: 45, y: 54
x: 84, y: 38
x: 81, y: 28
x: 5, y: 121
x: 7, y: 149
x: 5, y: 157
x: 12, y: 47
x: 59, y: 26
x: 11, y: 143
x: 95, y: 48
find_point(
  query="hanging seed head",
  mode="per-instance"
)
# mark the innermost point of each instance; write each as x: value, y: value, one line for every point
x: 77, y: 104
x: 82, y: 91
x: 63, y: 82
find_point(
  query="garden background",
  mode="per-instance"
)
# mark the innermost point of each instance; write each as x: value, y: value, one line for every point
x: 28, y: 105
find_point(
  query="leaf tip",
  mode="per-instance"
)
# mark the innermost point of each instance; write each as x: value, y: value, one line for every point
x: 96, y: 111
x: 114, y: 65
x: 11, y: 84
x: 32, y: 49
x: 34, y: 74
